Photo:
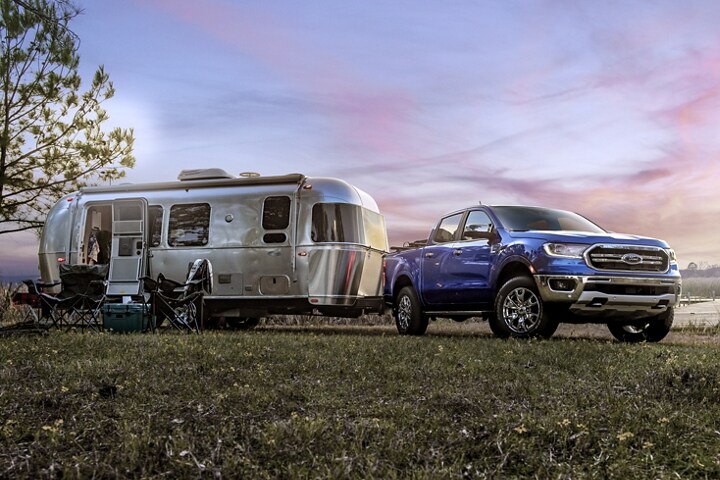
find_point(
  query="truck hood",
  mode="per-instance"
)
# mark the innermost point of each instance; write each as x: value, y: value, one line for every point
x: 590, y: 238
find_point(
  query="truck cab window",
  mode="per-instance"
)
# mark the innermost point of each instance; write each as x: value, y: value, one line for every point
x: 476, y: 224
x: 276, y: 216
x: 336, y: 222
x: 446, y: 230
x: 189, y: 225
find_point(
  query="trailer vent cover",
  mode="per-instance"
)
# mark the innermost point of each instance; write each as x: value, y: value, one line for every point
x: 204, y: 174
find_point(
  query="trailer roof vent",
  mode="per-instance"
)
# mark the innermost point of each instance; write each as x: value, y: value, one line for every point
x: 204, y: 174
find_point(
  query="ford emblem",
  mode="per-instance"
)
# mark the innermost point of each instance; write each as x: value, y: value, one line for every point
x: 631, y: 258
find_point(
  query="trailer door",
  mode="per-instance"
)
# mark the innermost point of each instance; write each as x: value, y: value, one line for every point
x: 128, y: 247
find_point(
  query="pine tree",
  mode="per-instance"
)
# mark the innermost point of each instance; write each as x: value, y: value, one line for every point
x: 51, y: 140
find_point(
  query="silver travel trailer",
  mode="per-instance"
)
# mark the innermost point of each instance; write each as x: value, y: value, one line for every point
x: 277, y: 245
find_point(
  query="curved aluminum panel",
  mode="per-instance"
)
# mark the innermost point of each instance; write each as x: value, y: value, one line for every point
x: 56, y: 238
x: 340, y: 274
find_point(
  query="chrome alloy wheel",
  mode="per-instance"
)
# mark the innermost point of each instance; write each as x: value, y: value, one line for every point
x: 635, y: 329
x: 521, y: 310
x: 404, y: 312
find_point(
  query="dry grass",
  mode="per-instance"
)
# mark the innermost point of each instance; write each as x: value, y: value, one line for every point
x: 324, y: 402
x: 328, y: 398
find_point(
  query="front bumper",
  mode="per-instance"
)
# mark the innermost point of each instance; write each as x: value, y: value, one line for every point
x: 610, y: 294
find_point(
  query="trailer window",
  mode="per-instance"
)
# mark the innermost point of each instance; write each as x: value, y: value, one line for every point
x: 189, y: 225
x: 276, y: 216
x: 276, y: 213
x: 336, y: 222
x: 155, y: 218
x: 128, y: 212
x: 375, y: 235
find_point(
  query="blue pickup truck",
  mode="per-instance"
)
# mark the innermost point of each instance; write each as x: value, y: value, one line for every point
x: 527, y: 269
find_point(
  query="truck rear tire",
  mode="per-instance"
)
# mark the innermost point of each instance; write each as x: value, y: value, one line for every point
x: 409, y: 318
x: 651, y: 329
x: 520, y: 311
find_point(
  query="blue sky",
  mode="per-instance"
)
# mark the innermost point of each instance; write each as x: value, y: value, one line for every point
x: 607, y: 108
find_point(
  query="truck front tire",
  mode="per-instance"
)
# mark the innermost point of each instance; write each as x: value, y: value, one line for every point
x: 520, y: 311
x: 409, y: 318
x: 652, y: 329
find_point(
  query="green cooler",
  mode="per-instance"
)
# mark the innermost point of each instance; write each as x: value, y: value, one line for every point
x: 125, y: 317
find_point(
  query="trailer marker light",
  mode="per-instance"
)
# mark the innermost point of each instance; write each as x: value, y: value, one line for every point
x: 383, y: 278
x: 302, y: 254
x: 314, y: 300
x: 60, y: 259
x: 70, y: 199
x: 307, y: 186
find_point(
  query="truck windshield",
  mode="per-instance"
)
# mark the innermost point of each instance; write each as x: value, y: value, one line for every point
x: 521, y: 219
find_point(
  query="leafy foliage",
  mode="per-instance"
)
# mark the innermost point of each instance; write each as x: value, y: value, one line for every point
x: 51, y: 136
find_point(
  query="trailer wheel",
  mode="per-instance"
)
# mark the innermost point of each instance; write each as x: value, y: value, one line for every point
x: 520, y: 311
x: 242, y: 323
x: 651, y: 329
x: 409, y: 318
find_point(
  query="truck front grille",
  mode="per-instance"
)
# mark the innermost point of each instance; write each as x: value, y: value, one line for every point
x: 628, y: 258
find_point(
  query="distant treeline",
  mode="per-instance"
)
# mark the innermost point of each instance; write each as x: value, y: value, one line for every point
x: 12, y: 279
x: 709, y: 272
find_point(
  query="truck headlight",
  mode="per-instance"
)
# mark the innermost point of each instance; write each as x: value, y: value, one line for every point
x: 569, y: 250
x: 671, y: 254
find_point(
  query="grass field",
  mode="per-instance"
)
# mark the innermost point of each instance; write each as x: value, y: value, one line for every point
x: 355, y: 403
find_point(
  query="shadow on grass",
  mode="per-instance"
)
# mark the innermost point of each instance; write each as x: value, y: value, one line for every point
x: 444, y: 330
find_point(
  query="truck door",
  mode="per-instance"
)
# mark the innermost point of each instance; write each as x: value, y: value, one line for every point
x: 128, y: 247
x: 468, y: 264
x: 438, y: 284
x: 456, y: 267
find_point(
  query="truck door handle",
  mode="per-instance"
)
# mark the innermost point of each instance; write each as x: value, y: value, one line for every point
x: 429, y: 255
x: 457, y: 252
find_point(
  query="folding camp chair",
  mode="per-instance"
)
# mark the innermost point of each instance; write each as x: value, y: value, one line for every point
x: 79, y: 302
x: 28, y: 303
x: 182, y: 303
x: 48, y: 309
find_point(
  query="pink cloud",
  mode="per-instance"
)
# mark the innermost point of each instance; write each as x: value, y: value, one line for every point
x: 366, y: 115
x: 675, y: 200
x: 672, y: 197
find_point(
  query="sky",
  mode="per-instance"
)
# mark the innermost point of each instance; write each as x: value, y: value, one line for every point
x: 610, y: 109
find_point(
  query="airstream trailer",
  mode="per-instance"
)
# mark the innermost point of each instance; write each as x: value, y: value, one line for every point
x: 286, y: 244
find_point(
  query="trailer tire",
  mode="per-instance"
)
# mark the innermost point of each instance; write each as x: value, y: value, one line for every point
x: 242, y: 323
x: 520, y: 311
x: 651, y: 329
x: 409, y: 317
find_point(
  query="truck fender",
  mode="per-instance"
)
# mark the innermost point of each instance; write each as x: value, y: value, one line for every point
x: 400, y: 273
x: 510, y: 266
